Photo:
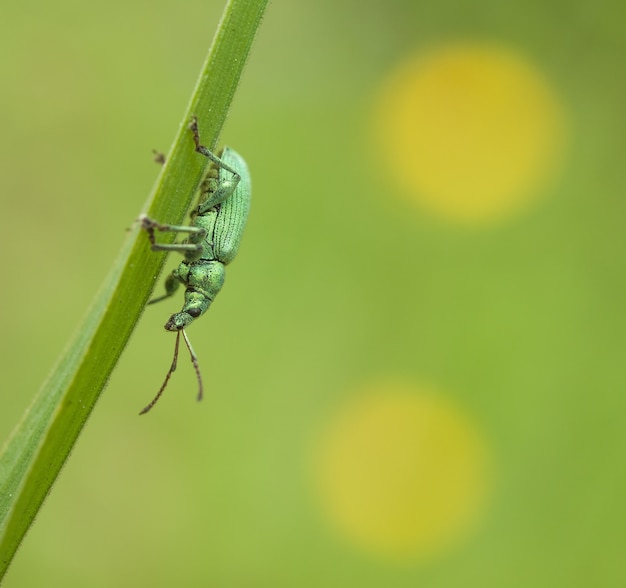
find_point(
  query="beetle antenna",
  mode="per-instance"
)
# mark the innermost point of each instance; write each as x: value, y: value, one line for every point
x: 169, y: 373
x: 194, y: 361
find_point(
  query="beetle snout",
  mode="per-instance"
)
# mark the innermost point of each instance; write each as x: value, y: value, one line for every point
x: 178, y: 321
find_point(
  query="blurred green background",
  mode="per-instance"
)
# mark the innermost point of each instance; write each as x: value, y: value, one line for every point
x: 397, y: 394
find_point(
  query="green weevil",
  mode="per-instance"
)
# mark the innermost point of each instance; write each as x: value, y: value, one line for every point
x: 217, y: 223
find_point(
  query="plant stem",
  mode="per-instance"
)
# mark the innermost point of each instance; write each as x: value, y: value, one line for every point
x: 37, y: 449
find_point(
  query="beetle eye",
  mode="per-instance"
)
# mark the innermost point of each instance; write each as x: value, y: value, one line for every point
x: 194, y: 312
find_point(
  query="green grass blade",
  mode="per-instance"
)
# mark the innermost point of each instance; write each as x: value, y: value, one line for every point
x: 38, y: 447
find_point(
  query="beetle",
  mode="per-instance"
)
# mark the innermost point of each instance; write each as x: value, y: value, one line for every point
x: 214, y: 233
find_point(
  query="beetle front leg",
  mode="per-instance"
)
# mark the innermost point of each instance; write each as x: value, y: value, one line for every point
x: 171, y: 285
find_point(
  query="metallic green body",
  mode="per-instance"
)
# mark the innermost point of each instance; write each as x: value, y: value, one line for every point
x: 221, y: 217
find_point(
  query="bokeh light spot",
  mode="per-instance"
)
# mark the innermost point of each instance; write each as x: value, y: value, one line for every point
x: 470, y: 132
x: 401, y: 472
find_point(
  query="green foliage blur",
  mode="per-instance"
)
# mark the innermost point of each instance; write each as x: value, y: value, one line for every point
x: 338, y: 282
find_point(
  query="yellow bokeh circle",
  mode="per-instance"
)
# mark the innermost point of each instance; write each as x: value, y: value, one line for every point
x: 470, y: 132
x: 401, y: 472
